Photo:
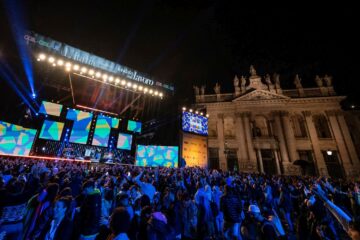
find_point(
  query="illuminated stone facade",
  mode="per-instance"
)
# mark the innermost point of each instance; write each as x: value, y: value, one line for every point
x: 263, y: 128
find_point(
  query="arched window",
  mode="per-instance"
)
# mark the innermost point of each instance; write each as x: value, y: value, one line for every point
x: 261, y: 127
x: 322, y: 126
x: 298, y: 125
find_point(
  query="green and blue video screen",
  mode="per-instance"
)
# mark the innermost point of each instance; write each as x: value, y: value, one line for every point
x: 49, y: 108
x: 194, y: 123
x: 16, y: 140
x: 124, y: 141
x: 51, y: 130
x: 102, y: 130
x: 81, y: 126
x: 134, y: 126
x: 152, y: 156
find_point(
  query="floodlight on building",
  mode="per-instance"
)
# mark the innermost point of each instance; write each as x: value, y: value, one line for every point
x: 207, y: 115
x: 42, y: 56
x: 76, y: 67
x: 190, y: 110
x: 329, y: 152
x: 184, y: 108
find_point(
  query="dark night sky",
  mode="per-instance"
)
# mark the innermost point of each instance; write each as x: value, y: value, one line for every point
x: 191, y: 43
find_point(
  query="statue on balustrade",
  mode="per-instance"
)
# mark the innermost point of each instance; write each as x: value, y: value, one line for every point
x: 196, y: 89
x: 252, y: 71
x: 318, y: 81
x: 328, y: 80
x: 297, y: 81
x: 202, y: 90
x: 217, y: 88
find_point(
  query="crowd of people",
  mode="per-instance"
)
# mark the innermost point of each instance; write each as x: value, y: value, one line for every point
x: 54, y: 200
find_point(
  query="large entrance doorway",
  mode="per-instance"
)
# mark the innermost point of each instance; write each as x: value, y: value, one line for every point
x: 333, y: 165
x: 214, y: 158
x: 232, y: 161
x: 268, y: 160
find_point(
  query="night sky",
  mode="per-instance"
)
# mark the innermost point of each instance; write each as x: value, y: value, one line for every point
x: 203, y: 42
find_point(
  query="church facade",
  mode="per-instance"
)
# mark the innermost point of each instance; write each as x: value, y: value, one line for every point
x: 261, y: 127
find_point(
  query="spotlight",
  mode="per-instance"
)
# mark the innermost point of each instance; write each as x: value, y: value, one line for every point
x: 33, y: 95
x: 60, y: 62
x: 329, y: 152
x: 128, y: 84
x: 196, y: 112
x: 201, y: 114
x: 156, y: 93
x: 76, y: 67
x: 161, y: 94
x: 91, y: 72
x: 207, y: 115
x: 352, y: 106
x: 111, y: 78
x: 51, y: 59
x: 117, y: 80
x: 104, y: 77
x: 98, y: 74
x: 140, y: 88
x: 84, y: 69
x: 145, y: 90
x: 134, y: 86
x: 42, y: 56
x: 68, y: 65
x: 184, y: 108
x: 190, y: 110
x: 68, y: 69
x: 123, y: 82
x: 151, y: 91
x: 54, y: 64
x: 43, y: 148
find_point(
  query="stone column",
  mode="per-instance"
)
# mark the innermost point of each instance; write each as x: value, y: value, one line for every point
x: 279, y: 133
x: 340, y: 142
x: 319, y: 158
x: 289, y: 136
x: 348, y: 140
x: 221, y: 142
x: 249, y: 140
x: 259, y: 158
x: 240, y: 139
x: 278, y: 170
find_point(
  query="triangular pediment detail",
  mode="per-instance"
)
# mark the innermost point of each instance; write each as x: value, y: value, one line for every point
x: 260, y: 95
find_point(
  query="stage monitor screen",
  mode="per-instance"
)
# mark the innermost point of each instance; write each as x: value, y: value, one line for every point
x: 49, y: 108
x: 81, y: 126
x: 102, y: 130
x: 152, y: 156
x: 124, y: 141
x: 15, y: 140
x: 194, y: 123
x: 134, y: 126
x: 51, y: 130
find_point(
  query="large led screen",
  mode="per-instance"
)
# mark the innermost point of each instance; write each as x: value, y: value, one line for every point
x: 81, y: 126
x: 102, y: 130
x: 15, y: 140
x: 50, y: 108
x: 194, y: 123
x: 134, y: 126
x: 124, y: 141
x: 166, y: 156
x: 51, y: 130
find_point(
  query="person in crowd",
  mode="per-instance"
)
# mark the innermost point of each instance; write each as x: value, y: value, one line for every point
x: 119, y: 224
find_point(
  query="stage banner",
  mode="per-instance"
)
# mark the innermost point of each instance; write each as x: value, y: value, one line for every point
x: 152, y: 156
x: 51, y: 130
x: 102, y: 130
x: 16, y: 140
x: 194, y: 150
x: 81, y: 126
x: 50, y: 108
